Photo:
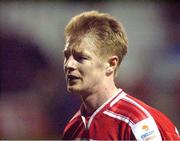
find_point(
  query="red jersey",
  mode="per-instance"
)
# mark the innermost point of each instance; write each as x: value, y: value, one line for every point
x: 122, y: 117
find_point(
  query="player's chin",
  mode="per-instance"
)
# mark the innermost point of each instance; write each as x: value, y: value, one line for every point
x: 73, y: 89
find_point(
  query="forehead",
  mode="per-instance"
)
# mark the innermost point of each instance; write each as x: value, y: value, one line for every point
x: 86, y: 45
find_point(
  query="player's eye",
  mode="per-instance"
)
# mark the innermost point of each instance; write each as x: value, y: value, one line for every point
x: 66, y: 54
x: 80, y: 58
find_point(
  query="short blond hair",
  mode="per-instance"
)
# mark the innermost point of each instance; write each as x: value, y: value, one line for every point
x: 109, y: 34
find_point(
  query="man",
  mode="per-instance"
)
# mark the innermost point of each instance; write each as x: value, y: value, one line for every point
x: 95, y: 46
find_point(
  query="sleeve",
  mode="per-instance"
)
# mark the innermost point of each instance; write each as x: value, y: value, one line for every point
x: 146, y: 130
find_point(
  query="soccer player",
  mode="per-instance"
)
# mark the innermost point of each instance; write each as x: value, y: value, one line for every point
x: 95, y: 46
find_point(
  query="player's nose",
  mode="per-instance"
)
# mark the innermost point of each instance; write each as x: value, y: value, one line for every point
x: 70, y: 64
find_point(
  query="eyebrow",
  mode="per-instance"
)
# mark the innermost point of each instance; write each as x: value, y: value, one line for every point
x: 78, y: 52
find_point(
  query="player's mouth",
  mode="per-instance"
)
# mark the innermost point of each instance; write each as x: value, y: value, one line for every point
x: 71, y: 79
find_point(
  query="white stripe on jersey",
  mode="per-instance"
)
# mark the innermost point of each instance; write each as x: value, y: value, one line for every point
x: 119, y: 117
x: 137, y: 105
x: 120, y: 96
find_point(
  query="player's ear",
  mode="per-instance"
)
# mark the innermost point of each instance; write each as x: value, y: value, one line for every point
x: 112, y: 64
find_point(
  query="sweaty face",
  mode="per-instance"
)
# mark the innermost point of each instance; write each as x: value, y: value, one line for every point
x: 84, y: 70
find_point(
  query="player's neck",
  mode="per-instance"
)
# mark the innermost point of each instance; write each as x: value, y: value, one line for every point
x: 94, y: 100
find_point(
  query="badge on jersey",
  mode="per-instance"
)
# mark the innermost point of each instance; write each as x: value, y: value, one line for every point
x: 146, y: 130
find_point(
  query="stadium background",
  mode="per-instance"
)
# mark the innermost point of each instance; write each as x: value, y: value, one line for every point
x: 34, y: 103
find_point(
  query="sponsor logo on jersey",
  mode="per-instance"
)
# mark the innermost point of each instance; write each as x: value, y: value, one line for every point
x: 150, y: 134
x: 145, y: 127
x: 150, y: 138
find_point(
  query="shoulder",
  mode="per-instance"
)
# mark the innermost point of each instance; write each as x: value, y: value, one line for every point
x: 76, y: 115
x: 75, y: 119
x: 128, y: 108
x: 136, y: 114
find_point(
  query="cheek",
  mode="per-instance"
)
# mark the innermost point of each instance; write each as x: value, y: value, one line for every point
x: 100, y: 67
x: 93, y: 69
x: 96, y: 71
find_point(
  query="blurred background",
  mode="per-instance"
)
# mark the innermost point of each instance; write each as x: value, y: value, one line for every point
x: 34, y: 103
